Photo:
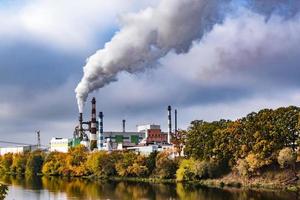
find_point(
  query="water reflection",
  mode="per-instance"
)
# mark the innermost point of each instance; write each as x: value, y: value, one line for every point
x: 75, y: 188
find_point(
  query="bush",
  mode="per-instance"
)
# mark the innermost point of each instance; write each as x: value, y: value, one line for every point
x: 286, y: 157
x: 190, y: 169
x: 255, y: 162
x: 186, y: 170
x: 242, y: 167
x: 165, y: 167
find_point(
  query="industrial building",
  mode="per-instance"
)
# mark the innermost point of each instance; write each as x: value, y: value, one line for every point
x: 18, y: 149
x: 60, y: 144
x: 146, y: 139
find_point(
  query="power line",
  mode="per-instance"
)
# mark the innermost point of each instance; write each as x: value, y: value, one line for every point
x: 17, y: 143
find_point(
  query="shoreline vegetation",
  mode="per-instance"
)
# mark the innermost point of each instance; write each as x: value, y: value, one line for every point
x: 259, y: 151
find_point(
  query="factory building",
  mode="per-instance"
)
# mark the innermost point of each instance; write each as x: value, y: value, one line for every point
x: 18, y: 149
x: 91, y: 134
x: 120, y: 140
x: 60, y: 144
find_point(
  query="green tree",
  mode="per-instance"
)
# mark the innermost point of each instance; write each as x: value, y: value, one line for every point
x: 151, y: 162
x: 6, y: 163
x: 34, y: 163
x: 101, y: 164
x: 165, y: 167
x: 3, y: 191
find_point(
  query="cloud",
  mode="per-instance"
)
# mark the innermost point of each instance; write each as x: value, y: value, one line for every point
x: 246, y: 62
x: 66, y: 24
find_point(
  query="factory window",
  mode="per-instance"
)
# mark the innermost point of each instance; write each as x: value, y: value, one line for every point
x: 135, y: 139
x: 119, y: 138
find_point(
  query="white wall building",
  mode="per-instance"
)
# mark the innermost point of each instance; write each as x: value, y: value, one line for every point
x: 18, y: 149
x: 60, y: 144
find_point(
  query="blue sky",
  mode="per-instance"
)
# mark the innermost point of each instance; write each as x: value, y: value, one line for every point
x: 246, y: 61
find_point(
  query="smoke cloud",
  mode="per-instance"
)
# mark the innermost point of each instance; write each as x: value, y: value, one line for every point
x: 174, y: 25
x: 143, y: 39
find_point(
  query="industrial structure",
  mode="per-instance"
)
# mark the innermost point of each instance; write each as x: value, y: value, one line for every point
x: 146, y: 139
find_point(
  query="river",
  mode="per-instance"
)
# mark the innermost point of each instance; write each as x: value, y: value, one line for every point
x: 55, y: 188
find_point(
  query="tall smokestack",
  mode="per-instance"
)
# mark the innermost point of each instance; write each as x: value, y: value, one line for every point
x: 93, y: 137
x: 175, y: 121
x: 80, y: 126
x: 169, y: 124
x: 101, y: 135
x: 124, y: 124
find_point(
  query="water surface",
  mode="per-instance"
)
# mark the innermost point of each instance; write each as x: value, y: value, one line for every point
x: 56, y: 188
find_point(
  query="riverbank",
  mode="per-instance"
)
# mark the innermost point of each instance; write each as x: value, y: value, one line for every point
x: 279, y: 179
x: 270, y: 179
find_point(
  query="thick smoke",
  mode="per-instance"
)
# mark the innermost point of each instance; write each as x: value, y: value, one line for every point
x: 144, y: 38
x: 150, y: 34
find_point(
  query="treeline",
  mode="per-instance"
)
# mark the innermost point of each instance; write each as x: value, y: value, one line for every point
x: 212, y: 149
x: 80, y: 162
x: 245, y: 146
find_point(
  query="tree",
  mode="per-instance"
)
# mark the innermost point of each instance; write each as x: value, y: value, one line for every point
x: 3, y: 191
x: 34, y: 163
x: 101, y: 164
x: 151, y: 162
x: 287, y: 157
x: 19, y: 164
x: 76, y: 160
x: 6, y: 162
x: 165, y: 167
x: 178, y: 139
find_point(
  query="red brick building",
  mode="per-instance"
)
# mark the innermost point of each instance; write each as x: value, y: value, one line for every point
x: 156, y: 136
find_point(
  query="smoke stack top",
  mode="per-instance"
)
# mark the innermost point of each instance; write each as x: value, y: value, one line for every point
x: 145, y: 37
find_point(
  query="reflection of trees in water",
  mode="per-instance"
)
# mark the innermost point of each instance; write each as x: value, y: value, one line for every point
x: 3, y: 191
x: 77, y: 188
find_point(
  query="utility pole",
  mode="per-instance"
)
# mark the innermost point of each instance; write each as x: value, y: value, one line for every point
x: 38, y: 139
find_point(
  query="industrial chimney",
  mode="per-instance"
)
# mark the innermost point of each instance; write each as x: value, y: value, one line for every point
x: 101, y: 135
x: 80, y: 126
x: 124, y: 124
x: 175, y: 121
x: 169, y: 124
x: 93, y: 136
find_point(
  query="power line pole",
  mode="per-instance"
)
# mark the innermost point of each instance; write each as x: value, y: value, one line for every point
x: 38, y: 139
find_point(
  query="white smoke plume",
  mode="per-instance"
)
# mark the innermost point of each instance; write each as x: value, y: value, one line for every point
x: 144, y: 38
x: 150, y: 34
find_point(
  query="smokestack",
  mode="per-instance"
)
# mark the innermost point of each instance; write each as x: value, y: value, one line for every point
x: 169, y: 124
x: 175, y: 121
x: 124, y: 123
x: 80, y: 126
x: 93, y: 137
x: 101, y: 135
